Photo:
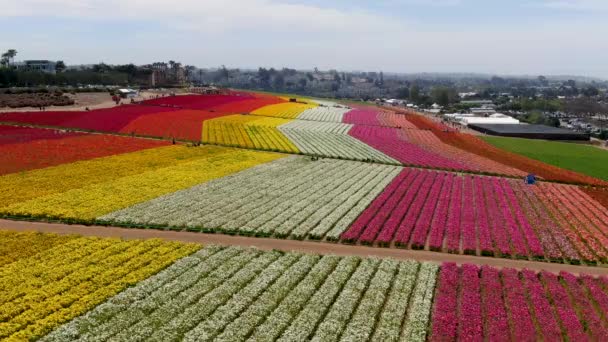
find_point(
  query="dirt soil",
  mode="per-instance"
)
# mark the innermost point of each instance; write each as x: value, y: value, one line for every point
x: 294, y: 245
x: 84, y: 100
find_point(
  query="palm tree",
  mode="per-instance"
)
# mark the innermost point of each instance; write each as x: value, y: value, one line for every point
x: 9, y: 55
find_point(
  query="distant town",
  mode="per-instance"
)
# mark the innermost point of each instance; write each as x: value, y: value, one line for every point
x: 579, y: 104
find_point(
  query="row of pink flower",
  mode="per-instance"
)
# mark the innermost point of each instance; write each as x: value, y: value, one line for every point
x: 478, y: 304
x: 456, y: 213
x: 387, y: 140
x: 429, y: 141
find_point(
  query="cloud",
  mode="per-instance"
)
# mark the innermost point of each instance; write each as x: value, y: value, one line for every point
x: 251, y: 33
x: 579, y: 5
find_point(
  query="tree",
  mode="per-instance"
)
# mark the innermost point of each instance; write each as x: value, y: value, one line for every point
x: 60, y: 66
x: 440, y: 96
x: 591, y: 91
x: 403, y: 93
x: 9, y: 56
x: 278, y: 82
x: 543, y: 81
x: 415, y: 93
x: 264, y: 77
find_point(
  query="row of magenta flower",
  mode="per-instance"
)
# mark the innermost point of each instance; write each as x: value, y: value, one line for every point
x: 476, y: 304
x: 485, y: 215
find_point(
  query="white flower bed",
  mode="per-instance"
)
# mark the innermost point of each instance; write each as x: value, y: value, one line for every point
x: 237, y: 294
x: 417, y: 322
x: 327, y: 114
x: 390, y: 321
x: 306, y: 321
x: 329, y: 139
x: 289, y: 197
x: 341, y: 310
x: 362, y: 323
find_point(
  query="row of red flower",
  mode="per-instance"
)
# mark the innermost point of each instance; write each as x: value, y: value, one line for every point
x: 34, y: 148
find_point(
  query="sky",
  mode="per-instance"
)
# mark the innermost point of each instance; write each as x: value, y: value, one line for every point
x: 504, y: 37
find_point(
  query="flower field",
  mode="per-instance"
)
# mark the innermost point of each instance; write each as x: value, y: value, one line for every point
x: 331, y: 140
x: 248, y: 131
x: 485, y: 216
x: 24, y: 149
x: 476, y: 304
x: 99, y: 186
x: 480, y: 147
x: 288, y: 197
x: 328, y: 114
x: 106, y: 289
x: 287, y: 110
x: 69, y: 276
x: 235, y: 294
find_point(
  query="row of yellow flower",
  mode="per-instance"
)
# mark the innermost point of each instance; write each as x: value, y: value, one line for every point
x: 287, y: 110
x: 248, y: 131
x: 40, y: 292
x: 89, y: 189
x: 15, y: 246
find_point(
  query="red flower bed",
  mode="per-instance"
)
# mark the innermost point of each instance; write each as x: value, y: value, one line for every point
x: 181, y: 124
x: 247, y: 105
x: 39, y: 153
x: 478, y: 146
x: 200, y: 102
x: 14, y: 135
x: 600, y: 195
x: 105, y: 120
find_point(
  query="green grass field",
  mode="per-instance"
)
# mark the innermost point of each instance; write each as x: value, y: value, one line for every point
x: 585, y: 159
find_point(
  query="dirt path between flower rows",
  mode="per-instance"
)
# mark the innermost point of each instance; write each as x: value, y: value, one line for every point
x: 294, y: 245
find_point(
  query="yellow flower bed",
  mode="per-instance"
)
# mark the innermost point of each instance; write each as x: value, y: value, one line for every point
x: 93, y: 199
x: 15, y: 246
x: 288, y: 110
x: 19, y: 187
x: 42, y: 291
x: 248, y: 131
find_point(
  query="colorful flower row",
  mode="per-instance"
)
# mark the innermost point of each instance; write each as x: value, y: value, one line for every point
x: 248, y: 131
x: 477, y: 304
x: 289, y: 197
x: 178, y: 117
x: 88, y: 189
x: 484, y: 215
x: 480, y: 147
x: 24, y: 149
x: 70, y: 276
x: 109, y: 289
x: 388, y: 141
x: 234, y: 294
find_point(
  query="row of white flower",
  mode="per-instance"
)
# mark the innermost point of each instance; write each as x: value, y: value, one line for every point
x: 238, y: 294
x: 334, y: 145
x: 327, y: 114
x: 241, y: 327
x: 318, y: 126
x: 291, y: 196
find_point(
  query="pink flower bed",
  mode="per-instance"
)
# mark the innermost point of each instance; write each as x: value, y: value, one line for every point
x: 488, y: 304
x: 387, y: 140
x: 476, y: 215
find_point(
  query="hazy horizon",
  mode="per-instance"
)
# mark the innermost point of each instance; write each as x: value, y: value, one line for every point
x: 514, y: 38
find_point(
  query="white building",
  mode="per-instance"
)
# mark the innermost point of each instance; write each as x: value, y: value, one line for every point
x: 37, y: 65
